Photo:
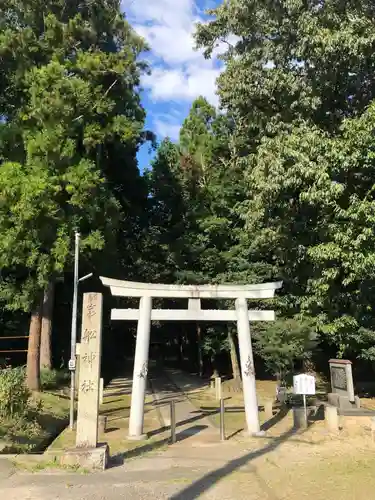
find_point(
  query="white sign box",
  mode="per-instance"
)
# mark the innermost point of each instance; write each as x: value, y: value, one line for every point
x: 304, y: 384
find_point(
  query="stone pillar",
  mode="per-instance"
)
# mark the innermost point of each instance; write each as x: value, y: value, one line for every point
x: 218, y: 391
x: 268, y: 409
x: 299, y: 418
x: 247, y: 367
x: 89, y: 373
x: 331, y: 418
x: 140, y: 369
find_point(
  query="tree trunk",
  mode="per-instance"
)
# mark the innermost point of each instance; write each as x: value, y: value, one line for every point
x: 233, y: 356
x: 33, y: 352
x: 215, y: 371
x: 183, y: 350
x: 309, y: 367
x: 200, y: 357
x: 179, y: 349
x: 46, y: 334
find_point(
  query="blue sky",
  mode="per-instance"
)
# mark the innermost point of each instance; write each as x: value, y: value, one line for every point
x: 179, y: 73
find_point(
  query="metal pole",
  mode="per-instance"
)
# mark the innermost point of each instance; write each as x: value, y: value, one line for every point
x: 222, y: 413
x: 173, y: 422
x: 73, y: 340
x: 305, y: 407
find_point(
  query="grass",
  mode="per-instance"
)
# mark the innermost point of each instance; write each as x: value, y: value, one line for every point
x: 235, y: 414
x: 24, y: 463
x: 27, y: 435
x: 310, y: 464
x: 204, y: 399
x: 342, y: 477
x: 116, y: 407
x: 54, y: 379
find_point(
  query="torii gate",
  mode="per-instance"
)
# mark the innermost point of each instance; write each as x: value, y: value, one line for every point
x: 194, y: 293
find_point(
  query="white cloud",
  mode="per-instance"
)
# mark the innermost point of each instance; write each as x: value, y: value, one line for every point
x: 182, y: 84
x: 179, y: 72
x: 168, y: 124
x: 167, y: 25
x: 165, y: 128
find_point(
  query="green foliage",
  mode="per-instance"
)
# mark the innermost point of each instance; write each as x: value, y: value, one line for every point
x: 215, y: 341
x: 53, y: 379
x: 312, y: 201
x: 284, y: 342
x: 193, y: 223
x: 278, y: 184
x: 298, y: 86
x: 14, y: 394
x: 292, y: 61
x: 71, y: 126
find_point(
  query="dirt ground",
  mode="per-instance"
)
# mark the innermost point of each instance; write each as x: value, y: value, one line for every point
x: 282, y: 464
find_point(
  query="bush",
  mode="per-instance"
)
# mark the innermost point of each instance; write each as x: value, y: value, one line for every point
x: 53, y: 379
x: 14, y: 394
x: 284, y: 342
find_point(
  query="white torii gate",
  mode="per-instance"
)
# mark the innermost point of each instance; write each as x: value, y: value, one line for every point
x: 194, y: 293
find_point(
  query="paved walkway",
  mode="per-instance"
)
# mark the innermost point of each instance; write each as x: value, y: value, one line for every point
x: 197, y: 466
x: 191, y: 423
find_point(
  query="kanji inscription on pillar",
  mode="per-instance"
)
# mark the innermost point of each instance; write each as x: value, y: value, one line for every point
x: 89, y: 375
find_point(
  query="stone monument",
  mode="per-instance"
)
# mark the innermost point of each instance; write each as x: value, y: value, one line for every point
x: 342, y: 395
x: 87, y: 452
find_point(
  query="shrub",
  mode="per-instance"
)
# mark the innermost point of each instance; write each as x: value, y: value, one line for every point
x: 14, y: 394
x: 53, y: 379
x: 284, y: 342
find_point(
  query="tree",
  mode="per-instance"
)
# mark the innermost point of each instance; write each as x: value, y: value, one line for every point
x: 313, y: 201
x: 46, y: 328
x: 284, y: 342
x: 292, y: 61
x: 298, y: 85
x: 33, y: 349
x: 167, y: 224
x: 75, y: 112
x: 194, y: 190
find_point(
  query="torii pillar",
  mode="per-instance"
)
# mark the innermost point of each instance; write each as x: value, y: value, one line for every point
x: 194, y: 293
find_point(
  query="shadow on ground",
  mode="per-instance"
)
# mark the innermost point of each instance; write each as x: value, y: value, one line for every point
x: 197, y: 488
x: 119, y: 459
x: 180, y: 424
x: 284, y: 410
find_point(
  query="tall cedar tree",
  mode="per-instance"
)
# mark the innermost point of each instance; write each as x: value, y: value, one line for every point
x: 71, y: 125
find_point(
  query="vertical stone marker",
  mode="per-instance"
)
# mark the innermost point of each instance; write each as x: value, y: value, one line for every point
x: 89, y: 374
x: 88, y: 454
x: 342, y: 394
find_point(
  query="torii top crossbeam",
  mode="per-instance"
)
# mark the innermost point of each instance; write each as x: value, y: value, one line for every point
x: 134, y: 289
